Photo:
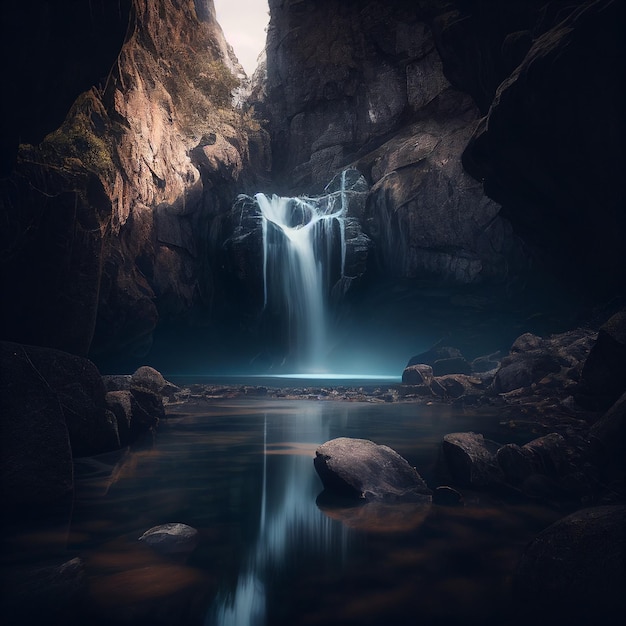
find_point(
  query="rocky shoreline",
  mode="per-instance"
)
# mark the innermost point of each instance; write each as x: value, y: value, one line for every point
x: 565, y: 393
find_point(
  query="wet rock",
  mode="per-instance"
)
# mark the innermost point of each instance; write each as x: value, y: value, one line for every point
x: 360, y: 468
x: 471, y: 460
x: 603, y: 378
x: 573, y: 572
x: 173, y: 538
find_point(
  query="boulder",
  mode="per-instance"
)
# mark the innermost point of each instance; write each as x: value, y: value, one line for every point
x: 173, y: 538
x: 547, y: 455
x: 35, y: 453
x: 80, y: 394
x: 418, y: 374
x: 117, y: 382
x: 522, y: 370
x: 148, y: 378
x: 573, y: 571
x: 360, y: 468
x: 603, y: 378
x: 471, y: 460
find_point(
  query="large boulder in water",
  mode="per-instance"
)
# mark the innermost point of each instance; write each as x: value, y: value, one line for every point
x: 363, y: 469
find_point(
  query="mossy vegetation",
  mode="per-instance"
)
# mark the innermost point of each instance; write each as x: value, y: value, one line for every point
x: 84, y: 136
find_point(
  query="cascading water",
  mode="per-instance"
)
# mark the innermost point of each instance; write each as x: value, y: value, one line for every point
x: 304, y: 254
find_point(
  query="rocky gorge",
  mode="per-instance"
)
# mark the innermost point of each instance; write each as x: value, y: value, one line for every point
x: 485, y: 225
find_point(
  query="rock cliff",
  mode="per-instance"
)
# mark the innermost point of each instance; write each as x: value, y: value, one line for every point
x: 369, y: 89
x: 108, y: 218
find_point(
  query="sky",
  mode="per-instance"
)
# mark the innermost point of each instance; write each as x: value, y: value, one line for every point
x: 244, y: 23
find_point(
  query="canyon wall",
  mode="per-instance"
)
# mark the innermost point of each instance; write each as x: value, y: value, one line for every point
x: 489, y: 135
x: 108, y: 217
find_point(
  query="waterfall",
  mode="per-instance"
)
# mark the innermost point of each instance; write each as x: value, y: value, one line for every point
x: 304, y: 254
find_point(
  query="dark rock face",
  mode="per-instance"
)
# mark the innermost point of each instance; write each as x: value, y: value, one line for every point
x: 360, y: 468
x: 573, y: 572
x: 369, y: 89
x: 77, y: 387
x: 35, y: 453
x: 554, y: 175
x: 603, y: 378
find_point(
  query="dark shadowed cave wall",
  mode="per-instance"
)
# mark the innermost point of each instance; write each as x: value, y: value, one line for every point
x: 490, y: 135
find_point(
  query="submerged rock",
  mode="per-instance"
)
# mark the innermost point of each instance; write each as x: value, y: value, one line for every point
x: 363, y: 469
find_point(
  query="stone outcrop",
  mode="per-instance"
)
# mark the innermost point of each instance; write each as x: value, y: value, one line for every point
x: 35, y: 454
x: 361, y: 469
x: 603, y: 376
x: 109, y: 216
x: 369, y: 89
x: 551, y: 166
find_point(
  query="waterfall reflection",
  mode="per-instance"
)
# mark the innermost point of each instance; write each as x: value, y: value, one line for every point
x: 290, y: 523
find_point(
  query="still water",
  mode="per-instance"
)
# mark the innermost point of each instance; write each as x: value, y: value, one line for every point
x: 272, y: 550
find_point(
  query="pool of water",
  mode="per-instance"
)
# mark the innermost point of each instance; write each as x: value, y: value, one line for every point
x: 272, y: 551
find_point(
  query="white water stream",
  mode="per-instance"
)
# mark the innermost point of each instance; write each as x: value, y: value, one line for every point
x: 303, y: 242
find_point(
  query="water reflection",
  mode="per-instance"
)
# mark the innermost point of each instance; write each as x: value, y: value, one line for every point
x: 289, y: 519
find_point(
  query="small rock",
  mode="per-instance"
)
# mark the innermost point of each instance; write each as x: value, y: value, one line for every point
x: 173, y: 538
